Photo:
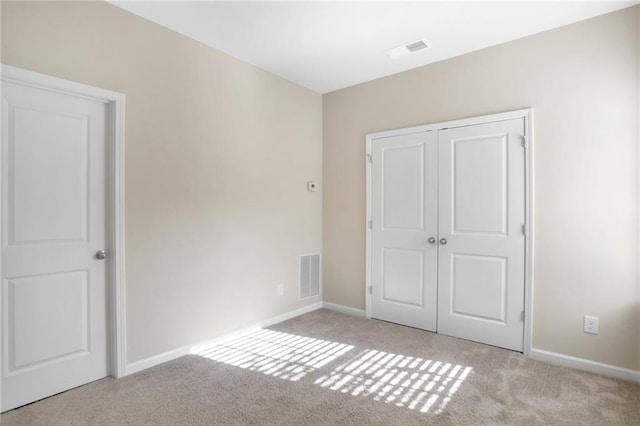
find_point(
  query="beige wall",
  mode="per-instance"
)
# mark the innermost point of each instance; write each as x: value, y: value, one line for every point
x: 216, y: 210
x: 582, y: 81
x: 218, y: 154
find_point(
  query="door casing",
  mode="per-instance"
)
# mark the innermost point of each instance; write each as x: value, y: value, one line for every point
x: 115, y: 279
x: 527, y: 114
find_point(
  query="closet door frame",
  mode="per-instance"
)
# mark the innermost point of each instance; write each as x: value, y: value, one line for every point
x: 527, y: 114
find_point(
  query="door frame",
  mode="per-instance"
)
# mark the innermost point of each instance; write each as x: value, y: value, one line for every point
x: 114, y: 178
x: 527, y: 114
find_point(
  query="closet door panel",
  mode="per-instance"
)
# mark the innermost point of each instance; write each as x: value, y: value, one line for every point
x: 481, y: 247
x: 404, y: 216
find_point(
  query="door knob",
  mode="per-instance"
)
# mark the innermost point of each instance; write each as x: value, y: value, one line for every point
x: 431, y: 240
x: 443, y: 241
x: 101, y: 255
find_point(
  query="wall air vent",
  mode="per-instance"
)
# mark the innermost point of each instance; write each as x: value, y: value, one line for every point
x: 408, y: 49
x: 309, y: 275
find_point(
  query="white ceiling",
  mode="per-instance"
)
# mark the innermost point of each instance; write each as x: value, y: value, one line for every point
x: 326, y: 46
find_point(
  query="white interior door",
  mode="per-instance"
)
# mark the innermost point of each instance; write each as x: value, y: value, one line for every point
x: 404, y: 217
x: 53, y: 224
x: 482, y: 213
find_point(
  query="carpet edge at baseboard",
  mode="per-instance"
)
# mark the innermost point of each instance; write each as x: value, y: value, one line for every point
x: 585, y: 365
x: 143, y: 364
x: 536, y: 354
x: 344, y: 309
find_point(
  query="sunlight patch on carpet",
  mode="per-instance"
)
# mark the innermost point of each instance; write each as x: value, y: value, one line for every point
x: 404, y: 381
x: 283, y: 355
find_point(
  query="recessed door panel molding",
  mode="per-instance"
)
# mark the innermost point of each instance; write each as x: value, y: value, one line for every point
x: 448, y: 207
x: 403, y: 276
x: 479, y: 163
x: 403, y: 187
x: 60, y: 142
x: 48, y: 167
x: 479, y: 287
x: 404, y: 287
x: 47, y: 319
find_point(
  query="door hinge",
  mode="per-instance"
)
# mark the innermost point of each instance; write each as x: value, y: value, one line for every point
x: 524, y: 141
x: 370, y: 290
x: 370, y: 224
x: 370, y: 158
x: 524, y: 229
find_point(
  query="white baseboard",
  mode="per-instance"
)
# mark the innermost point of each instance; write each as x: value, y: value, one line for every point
x: 537, y: 354
x: 143, y: 364
x: 291, y: 314
x: 343, y: 309
x: 585, y: 365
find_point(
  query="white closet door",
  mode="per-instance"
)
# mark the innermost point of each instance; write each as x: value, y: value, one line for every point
x: 404, y: 217
x: 53, y: 223
x: 481, y: 248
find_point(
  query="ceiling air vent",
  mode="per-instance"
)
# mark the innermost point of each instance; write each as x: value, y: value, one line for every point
x: 408, y: 49
x: 415, y: 46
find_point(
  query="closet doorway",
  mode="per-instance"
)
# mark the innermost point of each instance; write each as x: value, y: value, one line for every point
x: 448, y: 215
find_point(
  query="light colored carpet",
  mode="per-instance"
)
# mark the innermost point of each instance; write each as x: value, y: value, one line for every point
x: 329, y: 368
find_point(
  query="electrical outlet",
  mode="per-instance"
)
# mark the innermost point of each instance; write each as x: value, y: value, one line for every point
x: 590, y: 324
x: 280, y: 289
